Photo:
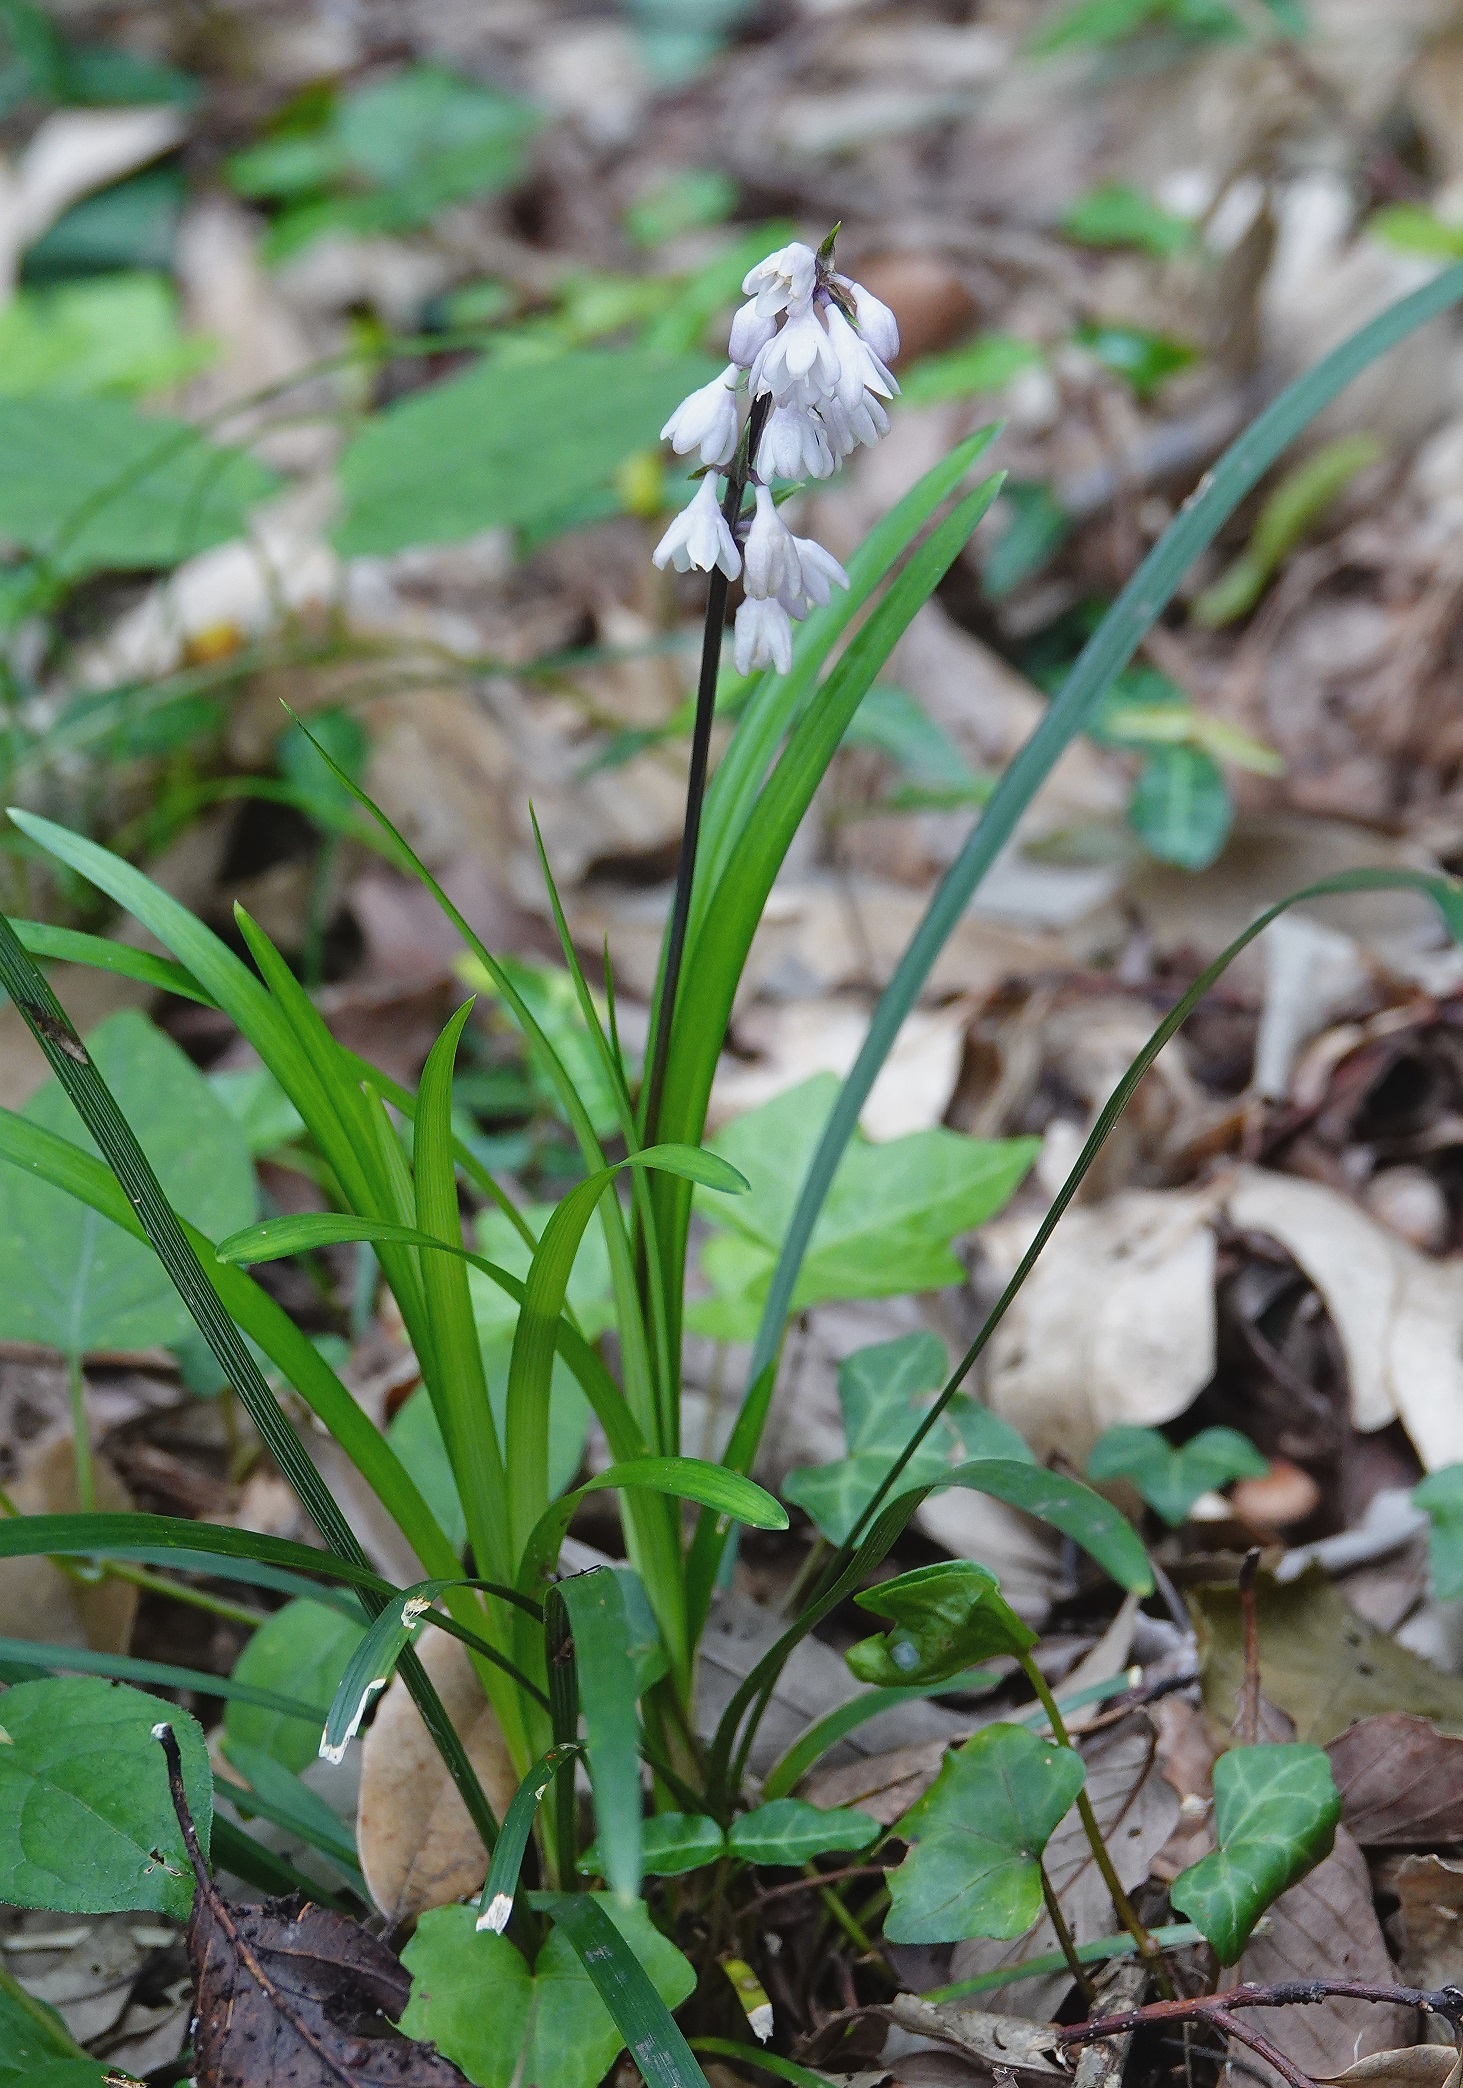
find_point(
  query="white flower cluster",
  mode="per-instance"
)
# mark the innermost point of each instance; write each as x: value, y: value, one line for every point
x: 818, y: 347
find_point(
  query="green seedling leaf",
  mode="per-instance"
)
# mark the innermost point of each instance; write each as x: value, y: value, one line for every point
x: 674, y: 1842
x: 1414, y: 229
x: 984, y: 365
x: 979, y: 1831
x: 1181, y: 809
x: 302, y: 1651
x: 946, y: 1617
x: 878, y: 1388
x: 1275, y: 1815
x: 91, y: 485
x: 547, y: 2024
x: 891, y: 722
x: 1035, y: 525
x: 789, y: 1831
x: 1115, y: 215
x: 505, y: 444
x: 1142, y: 359
x: 888, y: 1223
x: 1440, y: 1497
x: 117, y: 334
x: 86, y: 1822
x: 75, y: 1282
x: 1171, y: 1480
x: 1302, y: 499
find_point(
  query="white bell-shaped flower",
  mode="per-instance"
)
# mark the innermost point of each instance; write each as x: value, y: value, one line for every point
x: 819, y: 569
x: 699, y: 537
x: 763, y: 636
x: 784, y: 281
x: 859, y: 369
x: 707, y: 420
x: 795, y: 445
x: 846, y: 431
x: 876, y: 322
x: 770, y: 561
x: 799, y: 362
x: 751, y: 330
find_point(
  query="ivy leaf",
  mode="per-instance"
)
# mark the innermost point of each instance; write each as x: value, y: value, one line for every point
x: 548, y: 2024
x: 86, y: 1823
x: 1181, y: 809
x: 673, y: 1843
x: 1170, y: 1480
x: 1440, y: 1497
x: 885, y: 1228
x: 947, y: 1618
x: 1275, y: 1815
x: 789, y: 1831
x: 979, y: 1831
x: 878, y: 1388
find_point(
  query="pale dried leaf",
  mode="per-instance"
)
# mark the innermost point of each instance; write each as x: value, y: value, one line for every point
x: 1401, y: 1782
x: 1411, y: 2066
x: 418, y: 1847
x: 1116, y: 1322
x: 1429, y: 1890
x: 1000, y: 2040
x: 38, y: 1600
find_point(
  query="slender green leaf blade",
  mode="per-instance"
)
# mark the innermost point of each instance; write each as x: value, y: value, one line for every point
x: 649, y: 2029
x: 303, y: 1650
x: 607, y: 1691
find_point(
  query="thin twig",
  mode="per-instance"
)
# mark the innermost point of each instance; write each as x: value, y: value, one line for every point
x: 1218, y: 2009
x: 813, y: 1884
x: 1248, y: 1721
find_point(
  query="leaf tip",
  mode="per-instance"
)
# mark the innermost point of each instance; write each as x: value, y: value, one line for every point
x: 494, y: 1916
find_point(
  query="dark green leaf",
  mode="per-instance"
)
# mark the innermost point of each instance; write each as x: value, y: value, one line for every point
x: 1035, y: 525
x: 983, y: 365
x: 974, y: 1869
x: 1068, y: 1506
x: 124, y: 1667
x: 788, y: 1831
x: 1118, y: 216
x: 607, y: 1691
x: 674, y: 1842
x: 621, y: 1980
x: 946, y: 1617
x: 500, y: 1888
x: 827, y: 1731
x: 547, y: 2025
x: 1275, y: 1815
x: 1142, y: 359
x: 34, y: 2041
x: 506, y: 443
x: 86, y: 1823
x: 1181, y: 809
x: 1170, y: 1480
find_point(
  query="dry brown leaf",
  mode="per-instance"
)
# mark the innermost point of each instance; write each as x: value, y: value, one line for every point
x: 1186, y: 1756
x: 1000, y: 2040
x: 1137, y: 1810
x: 418, y: 1846
x: 1116, y: 1322
x: 1429, y: 1920
x: 1411, y: 2066
x: 38, y: 1600
x: 1326, y: 1928
x: 796, y: 1038
x: 1401, y: 1782
x: 885, y: 1785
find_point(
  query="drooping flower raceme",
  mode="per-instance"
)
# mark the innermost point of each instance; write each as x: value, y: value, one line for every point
x: 817, y: 347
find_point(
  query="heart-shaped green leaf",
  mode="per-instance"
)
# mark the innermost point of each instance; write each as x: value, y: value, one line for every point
x: 86, y: 1823
x: 788, y: 1830
x: 946, y: 1618
x: 979, y: 1831
x: 1170, y: 1480
x: 1440, y: 1497
x: 1275, y: 1814
x: 478, y: 2002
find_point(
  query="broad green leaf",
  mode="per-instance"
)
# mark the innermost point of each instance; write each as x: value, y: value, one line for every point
x: 1181, y: 809
x: 888, y: 1223
x: 1170, y: 1480
x: 1275, y: 1815
x: 607, y: 1693
x: 946, y: 1617
x: 416, y: 1437
x: 789, y: 1831
x: 35, y: 2044
x: 90, y: 484
x: 1116, y: 215
x: 1440, y: 1497
x: 879, y: 1389
x: 892, y: 722
x: 116, y: 333
x: 506, y: 443
x: 74, y: 1282
x: 683, y: 200
x: 979, y: 1831
x: 86, y: 1822
x: 303, y: 1650
x: 259, y: 1105
x: 1034, y: 526
x: 674, y: 1842
x: 1141, y: 358
x: 983, y: 365
x: 548, y: 2024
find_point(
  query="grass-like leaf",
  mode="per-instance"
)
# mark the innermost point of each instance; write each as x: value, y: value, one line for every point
x: 158, y: 1674
x: 649, y: 2029
x: 607, y: 1690
x: 500, y: 1888
x: 1275, y: 1815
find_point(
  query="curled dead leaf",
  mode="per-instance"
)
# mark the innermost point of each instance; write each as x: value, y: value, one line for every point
x: 1410, y: 2066
x: 418, y: 1847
